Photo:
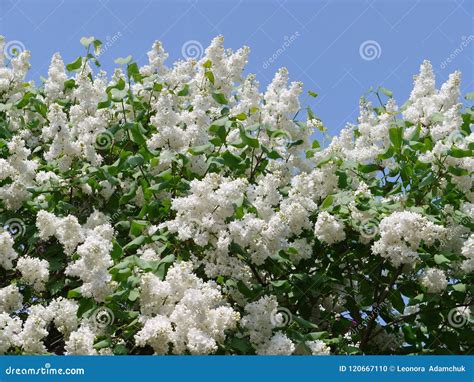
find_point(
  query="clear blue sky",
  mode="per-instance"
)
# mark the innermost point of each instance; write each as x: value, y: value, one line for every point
x: 325, y: 39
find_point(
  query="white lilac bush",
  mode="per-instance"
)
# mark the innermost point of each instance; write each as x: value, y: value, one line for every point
x: 183, y: 210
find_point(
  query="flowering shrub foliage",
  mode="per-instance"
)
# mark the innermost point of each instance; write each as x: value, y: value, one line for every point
x: 181, y: 210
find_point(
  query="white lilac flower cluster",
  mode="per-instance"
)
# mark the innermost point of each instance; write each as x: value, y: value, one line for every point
x: 94, y: 252
x: 183, y: 312
x: 261, y: 319
x: 11, y: 299
x: 468, y: 252
x: 328, y: 229
x: 434, y: 280
x: 200, y: 210
x: 401, y: 234
x: 7, y: 252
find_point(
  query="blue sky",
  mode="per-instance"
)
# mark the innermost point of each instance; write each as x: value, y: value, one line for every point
x: 338, y: 49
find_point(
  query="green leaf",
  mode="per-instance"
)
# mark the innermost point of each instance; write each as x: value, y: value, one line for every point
x: 210, y: 77
x: 409, y: 333
x: 118, y: 95
x: 459, y: 153
x: 117, y: 251
x: 396, y: 136
x: 218, y: 130
x: 459, y: 287
x: 327, y: 202
x: 219, y: 98
x: 103, y: 344
x: 136, y: 160
x: 97, y: 46
x: 441, y: 259
x: 134, y: 72
x: 198, y: 150
x: 163, y: 266
x: 134, y: 294
x: 305, y: 323
x: 427, y: 181
x: 184, y: 92
x: 313, y: 336
x: 385, y: 91
x: 123, y: 60
x: 137, y: 227
x: 85, y: 305
x: 74, y: 65
x: 120, y: 349
x: 469, y: 96
x: 458, y: 171
x: 74, y: 293
x: 312, y: 94
x: 86, y: 41
x: 231, y: 160
x: 104, y: 104
x: 366, y: 168
x: 137, y: 133
x: 397, y: 301
x: 248, y: 139
x: 135, y: 243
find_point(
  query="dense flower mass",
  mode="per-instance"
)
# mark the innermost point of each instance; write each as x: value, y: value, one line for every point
x: 184, y: 210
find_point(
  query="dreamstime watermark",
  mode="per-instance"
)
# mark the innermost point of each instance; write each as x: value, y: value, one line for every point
x: 104, y: 140
x: 370, y: 50
x: 358, y: 326
x: 44, y: 370
x: 15, y: 227
x: 460, y: 316
x: 109, y: 42
x: 281, y: 317
x: 192, y: 49
x: 466, y: 41
x: 103, y: 317
x: 288, y: 41
x: 369, y: 228
x: 13, y: 48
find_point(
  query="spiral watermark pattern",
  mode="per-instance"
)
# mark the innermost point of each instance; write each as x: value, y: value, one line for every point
x: 192, y: 49
x: 281, y: 317
x: 104, y: 140
x: 281, y: 137
x: 103, y: 317
x: 13, y: 48
x: 370, y: 50
x: 458, y: 317
x: 369, y: 228
x: 15, y: 227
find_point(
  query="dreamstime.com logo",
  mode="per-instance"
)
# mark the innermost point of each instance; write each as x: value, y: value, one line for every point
x: 288, y: 40
x: 15, y: 227
x: 466, y: 41
x: 103, y: 317
x: 281, y: 317
x: 109, y: 42
x: 460, y: 316
x: 192, y: 49
x: 370, y: 50
x: 358, y: 326
x: 44, y: 370
x: 13, y: 48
